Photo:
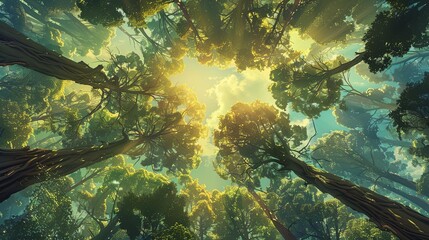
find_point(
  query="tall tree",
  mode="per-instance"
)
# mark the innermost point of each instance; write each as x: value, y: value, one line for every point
x: 264, y: 136
x: 356, y: 157
x: 166, y: 135
x: 411, y: 117
x: 411, y: 113
x: 17, y: 49
x: 354, y: 152
x: 100, y: 203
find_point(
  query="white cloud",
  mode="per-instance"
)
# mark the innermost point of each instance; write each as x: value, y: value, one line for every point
x: 302, y: 122
x: 247, y: 86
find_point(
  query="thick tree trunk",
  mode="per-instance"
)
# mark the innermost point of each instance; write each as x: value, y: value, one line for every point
x: 20, y: 168
x: 284, y: 231
x: 417, y: 201
x: 387, y: 214
x: 17, y: 49
x: 413, y: 199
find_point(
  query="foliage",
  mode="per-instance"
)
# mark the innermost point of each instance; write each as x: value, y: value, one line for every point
x: 177, y: 231
x: 48, y: 216
x: 15, y: 129
x: 382, y: 43
x: 255, y: 129
x: 309, y: 88
x: 110, y: 13
x: 352, y: 154
x: 133, y: 101
x: 155, y: 212
x: 364, y: 229
x: 411, y: 113
x: 325, y: 23
x: 200, y: 205
x: 323, y: 218
x: 239, y: 217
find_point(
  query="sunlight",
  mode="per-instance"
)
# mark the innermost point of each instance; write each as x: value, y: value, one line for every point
x: 212, y: 120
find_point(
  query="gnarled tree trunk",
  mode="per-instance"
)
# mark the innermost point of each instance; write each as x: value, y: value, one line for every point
x: 413, y: 199
x: 17, y: 49
x: 416, y: 201
x: 387, y: 214
x: 20, y: 168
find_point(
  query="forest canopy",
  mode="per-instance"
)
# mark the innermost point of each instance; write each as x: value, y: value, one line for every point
x: 214, y: 119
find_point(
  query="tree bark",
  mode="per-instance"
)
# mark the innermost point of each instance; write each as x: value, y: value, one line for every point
x: 413, y: 199
x: 17, y: 49
x: 284, y: 231
x: 417, y: 201
x: 387, y: 214
x: 20, y: 168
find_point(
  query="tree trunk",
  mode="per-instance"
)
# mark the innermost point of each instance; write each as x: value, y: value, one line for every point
x: 387, y: 214
x: 284, y: 231
x: 345, y: 66
x: 398, y: 179
x: 17, y: 49
x: 365, y: 102
x: 109, y: 230
x: 414, y: 57
x: 20, y: 168
x: 286, y: 23
x: 418, y: 202
x: 85, y: 179
x: 187, y: 17
x: 413, y: 199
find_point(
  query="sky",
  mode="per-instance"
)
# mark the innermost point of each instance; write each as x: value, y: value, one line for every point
x: 220, y: 88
